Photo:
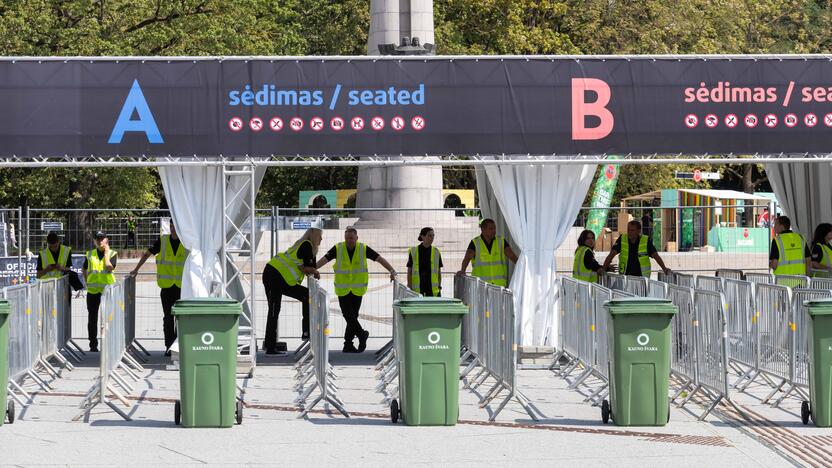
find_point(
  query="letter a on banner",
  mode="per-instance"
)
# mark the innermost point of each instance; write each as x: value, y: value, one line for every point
x: 581, y: 109
x: 147, y: 124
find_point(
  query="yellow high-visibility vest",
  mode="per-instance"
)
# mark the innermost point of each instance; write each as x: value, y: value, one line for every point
x: 643, y: 255
x: 351, y: 275
x: 170, y: 264
x: 48, y: 260
x: 491, y: 267
x: 415, y: 279
x: 97, y: 277
x: 791, y: 258
x: 288, y: 264
x: 581, y: 272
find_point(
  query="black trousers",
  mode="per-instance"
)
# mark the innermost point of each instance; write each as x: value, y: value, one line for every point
x: 131, y: 239
x: 169, y: 297
x: 276, y: 288
x: 93, y: 301
x: 350, y: 305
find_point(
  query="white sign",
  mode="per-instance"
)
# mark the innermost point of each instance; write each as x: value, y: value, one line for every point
x: 51, y: 226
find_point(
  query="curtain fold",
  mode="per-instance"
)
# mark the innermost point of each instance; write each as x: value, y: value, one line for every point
x: 805, y: 193
x: 539, y: 204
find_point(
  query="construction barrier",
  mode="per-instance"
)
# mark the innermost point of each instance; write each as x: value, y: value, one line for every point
x: 493, y: 349
x: 726, y: 273
x: 116, y: 367
x: 387, y: 370
x: 313, y: 368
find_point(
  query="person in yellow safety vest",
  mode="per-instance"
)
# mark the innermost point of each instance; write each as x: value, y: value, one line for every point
x: 789, y: 254
x: 490, y: 254
x: 54, y: 261
x: 283, y: 276
x: 822, y: 251
x: 636, y: 251
x: 424, y: 266
x: 584, y: 266
x: 351, y: 281
x: 170, y: 262
x: 98, y: 273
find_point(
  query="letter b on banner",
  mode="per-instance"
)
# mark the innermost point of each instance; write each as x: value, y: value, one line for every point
x: 581, y: 109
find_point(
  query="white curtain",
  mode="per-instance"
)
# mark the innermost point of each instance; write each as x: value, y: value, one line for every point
x: 539, y: 204
x: 194, y: 195
x: 805, y: 193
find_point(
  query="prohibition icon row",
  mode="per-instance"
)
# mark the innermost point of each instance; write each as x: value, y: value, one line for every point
x: 316, y: 124
x: 752, y: 120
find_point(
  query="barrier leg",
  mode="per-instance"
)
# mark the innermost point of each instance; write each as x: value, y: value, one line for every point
x: 774, y: 392
x: 584, y: 375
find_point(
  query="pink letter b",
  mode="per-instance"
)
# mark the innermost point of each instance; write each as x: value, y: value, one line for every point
x: 581, y: 109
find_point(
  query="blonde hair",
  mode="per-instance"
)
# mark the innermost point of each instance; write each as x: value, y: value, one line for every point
x: 307, y: 236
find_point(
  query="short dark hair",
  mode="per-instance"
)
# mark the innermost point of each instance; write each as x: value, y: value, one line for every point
x: 635, y: 223
x: 485, y: 222
x: 424, y: 232
x: 52, y: 238
x: 784, y: 221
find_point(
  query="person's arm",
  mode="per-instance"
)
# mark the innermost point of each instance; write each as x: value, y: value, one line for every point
x: 655, y: 256
x: 807, y: 257
x: 409, y: 271
x: 144, y: 258
x: 323, y: 261
x: 591, y: 264
x: 108, y: 265
x: 608, y: 260
x: 40, y: 270
x: 773, y: 256
x: 387, y: 265
x: 469, y: 255
x: 510, y: 253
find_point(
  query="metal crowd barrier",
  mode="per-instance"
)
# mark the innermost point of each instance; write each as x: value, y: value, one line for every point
x: 313, y: 364
x: 135, y: 348
x: 710, y: 283
x: 657, y: 289
x: 712, y: 347
x: 773, y: 304
x: 116, y: 367
x: 726, y: 273
x: 494, y: 349
x: 759, y: 278
x: 743, y: 338
x: 636, y: 285
x: 820, y: 283
x: 388, y: 365
x: 792, y: 281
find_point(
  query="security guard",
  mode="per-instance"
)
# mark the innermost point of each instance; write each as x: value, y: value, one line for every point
x: 351, y: 281
x: 98, y: 273
x: 789, y: 253
x: 636, y: 251
x: 424, y: 266
x: 584, y: 266
x: 489, y: 253
x: 283, y: 276
x: 822, y: 251
x: 131, y: 231
x: 170, y: 262
x: 54, y: 261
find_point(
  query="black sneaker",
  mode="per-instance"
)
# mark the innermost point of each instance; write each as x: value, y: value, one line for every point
x: 167, y: 352
x: 362, y: 341
x: 93, y: 349
x: 304, y: 336
x: 349, y: 348
x: 271, y: 350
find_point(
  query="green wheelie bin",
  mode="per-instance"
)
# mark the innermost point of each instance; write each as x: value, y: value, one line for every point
x: 427, y: 345
x: 6, y: 409
x: 207, y: 330
x: 639, y: 347
x: 820, y: 364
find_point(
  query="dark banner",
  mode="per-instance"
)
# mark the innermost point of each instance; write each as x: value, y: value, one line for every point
x: 391, y: 107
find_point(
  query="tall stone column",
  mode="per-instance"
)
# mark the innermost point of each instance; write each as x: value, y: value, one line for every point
x: 399, y: 187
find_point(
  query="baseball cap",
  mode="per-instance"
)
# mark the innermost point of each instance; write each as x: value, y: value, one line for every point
x: 100, y: 235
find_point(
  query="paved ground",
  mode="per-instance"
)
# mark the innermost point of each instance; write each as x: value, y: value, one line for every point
x: 570, y: 435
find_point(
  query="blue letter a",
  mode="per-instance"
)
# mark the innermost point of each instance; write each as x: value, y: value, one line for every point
x: 136, y: 101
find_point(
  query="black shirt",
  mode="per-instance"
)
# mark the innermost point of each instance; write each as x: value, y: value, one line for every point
x: 157, y: 246
x: 100, y: 256
x: 589, y: 261
x: 817, y: 252
x: 68, y: 263
x: 305, y: 254
x: 332, y: 255
x: 488, y: 245
x: 425, y: 269
x: 633, y: 265
x: 774, y: 252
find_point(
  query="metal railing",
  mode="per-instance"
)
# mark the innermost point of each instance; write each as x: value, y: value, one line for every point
x: 494, y: 349
x: 743, y: 337
x: 313, y: 368
x: 387, y: 370
x: 712, y: 347
x: 116, y: 367
x: 820, y: 283
x: 726, y: 273
x: 710, y: 283
x: 792, y: 281
x: 759, y: 278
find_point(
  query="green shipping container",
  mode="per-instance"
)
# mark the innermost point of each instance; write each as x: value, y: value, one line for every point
x: 639, y: 346
x: 207, y: 330
x: 428, y: 344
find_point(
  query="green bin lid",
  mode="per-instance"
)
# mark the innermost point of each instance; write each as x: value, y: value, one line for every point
x: 207, y: 306
x: 640, y: 305
x: 819, y: 306
x: 431, y: 305
x: 5, y: 307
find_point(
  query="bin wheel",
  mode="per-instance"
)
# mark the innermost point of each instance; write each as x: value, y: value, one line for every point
x: 394, y: 411
x: 805, y: 412
x: 668, y: 411
x: 10, y: 411
x: 605, y: 411
x: 177, y: 412
x: 239, y: 412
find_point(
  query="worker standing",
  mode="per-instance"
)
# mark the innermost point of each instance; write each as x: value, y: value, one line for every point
x: 584, y: 266
x: 490, y: 254
x: 789, y: 253
x: 54, y: 261
x: 283, y: 276
x: 822, y: 251
x: 424, y: 266
x: 131, y: 232
x: 98, y: 273
x: 170, y: 263
x: 636, y: 251
x: 351, y: 280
